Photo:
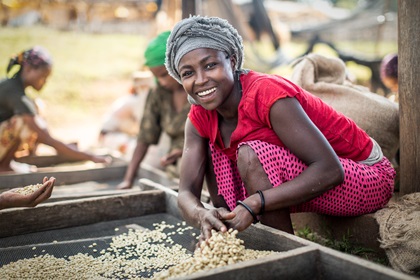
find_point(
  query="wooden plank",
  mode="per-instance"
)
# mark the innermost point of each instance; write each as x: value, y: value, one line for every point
x: 261, y: 237
x: 305, y: 263
x: 65, y: 175
x: 77, y: 173
x: 171, y: 196
x: 80, y: 212
x: 336, y: 265
x: 158, y: 176
x: 45, y: 160
x: 409, y: 97
x: 295, y: 264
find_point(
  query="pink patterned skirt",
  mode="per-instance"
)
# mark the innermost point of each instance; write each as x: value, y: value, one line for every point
x: 365, y: 188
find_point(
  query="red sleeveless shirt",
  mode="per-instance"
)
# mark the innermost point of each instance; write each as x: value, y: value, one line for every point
x: 259, y: 93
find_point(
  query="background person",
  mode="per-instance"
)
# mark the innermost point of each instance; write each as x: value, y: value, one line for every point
x: 266, y: 146
x: 18, y: 122
x: 389, y: 74
x: 121, y: 123
x: 165, y: 111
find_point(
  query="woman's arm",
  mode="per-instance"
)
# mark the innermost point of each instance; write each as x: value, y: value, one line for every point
x: 133, y: 167
x: 193, y: 168
x: 61, y: 148
x: 303, y: 138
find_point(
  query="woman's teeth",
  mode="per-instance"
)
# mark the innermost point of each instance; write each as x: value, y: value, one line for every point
x: 206, y: 92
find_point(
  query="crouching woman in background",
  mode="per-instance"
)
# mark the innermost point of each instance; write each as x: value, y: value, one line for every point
x: 18, y: 121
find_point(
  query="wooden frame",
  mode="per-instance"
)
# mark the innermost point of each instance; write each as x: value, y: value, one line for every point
x: 299, y: 258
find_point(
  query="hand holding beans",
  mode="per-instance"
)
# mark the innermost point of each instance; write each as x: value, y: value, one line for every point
x: 28, y: 196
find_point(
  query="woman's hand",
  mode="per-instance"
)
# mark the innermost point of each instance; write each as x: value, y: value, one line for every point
x: 171, y: 158
x: 213, y: 219
x: 124, y: 185
x: 102, y: 159
x: 12, y: 198
x: 242, y: 220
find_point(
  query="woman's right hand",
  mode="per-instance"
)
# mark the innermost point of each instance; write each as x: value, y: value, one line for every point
x: 213, y: 219
x: 101, y: 159
x: 124, y: 185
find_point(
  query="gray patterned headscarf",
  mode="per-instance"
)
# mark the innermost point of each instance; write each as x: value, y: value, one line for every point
x: 198, y: 32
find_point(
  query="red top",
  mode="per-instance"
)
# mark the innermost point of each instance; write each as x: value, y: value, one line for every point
x: 259, y: 92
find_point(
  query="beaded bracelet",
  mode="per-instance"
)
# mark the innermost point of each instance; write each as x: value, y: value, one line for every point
x: 262, y: 202
x: 249, y: 210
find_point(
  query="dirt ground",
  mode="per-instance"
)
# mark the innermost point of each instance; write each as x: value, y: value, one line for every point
x: 83, y: 128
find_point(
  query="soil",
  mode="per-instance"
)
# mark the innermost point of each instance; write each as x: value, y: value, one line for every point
x: 83, y: 128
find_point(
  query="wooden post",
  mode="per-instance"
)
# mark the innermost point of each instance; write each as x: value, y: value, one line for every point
x: 409, y: 94
x: 188, y: 8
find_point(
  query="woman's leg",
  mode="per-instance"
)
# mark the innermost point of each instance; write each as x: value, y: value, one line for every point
x: 211, y: 183
x: 10, y: 141
x: 365, y: 188
x: 254, y: 178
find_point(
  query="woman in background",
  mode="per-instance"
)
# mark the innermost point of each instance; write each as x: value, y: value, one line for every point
x: 165, y: 111
x: 389, y: 75
x: 18, y: 123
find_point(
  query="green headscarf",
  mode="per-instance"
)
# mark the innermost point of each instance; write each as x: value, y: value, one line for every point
x: 156, y: 50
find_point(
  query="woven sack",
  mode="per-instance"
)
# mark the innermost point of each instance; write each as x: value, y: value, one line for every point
x: 399, y: 231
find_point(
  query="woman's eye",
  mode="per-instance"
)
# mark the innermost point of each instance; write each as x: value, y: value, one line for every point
x: 210, y: 65
x: 186, y: 73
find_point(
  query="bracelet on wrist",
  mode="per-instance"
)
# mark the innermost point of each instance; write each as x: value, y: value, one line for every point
x: 249, y: 210
x: 262, y: 202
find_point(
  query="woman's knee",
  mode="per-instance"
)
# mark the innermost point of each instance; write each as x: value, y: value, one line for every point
x: 247, y: 159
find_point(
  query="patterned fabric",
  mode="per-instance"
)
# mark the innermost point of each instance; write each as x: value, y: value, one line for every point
x: 15, y: 131
x: 365, y: 188
x: 160, y: 116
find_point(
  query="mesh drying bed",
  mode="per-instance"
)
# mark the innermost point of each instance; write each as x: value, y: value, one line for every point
x: 62, y: 243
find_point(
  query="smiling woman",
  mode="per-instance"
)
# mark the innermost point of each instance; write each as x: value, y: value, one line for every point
x: 265, y: 146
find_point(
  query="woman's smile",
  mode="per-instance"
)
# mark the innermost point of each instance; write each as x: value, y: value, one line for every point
x: 206, y: 92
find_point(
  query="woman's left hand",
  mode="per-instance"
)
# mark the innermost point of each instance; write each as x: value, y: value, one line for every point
x: 242, y: 220
x: 171, y: 158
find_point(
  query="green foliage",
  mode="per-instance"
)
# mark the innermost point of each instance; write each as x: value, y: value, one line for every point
x: 345, y: 245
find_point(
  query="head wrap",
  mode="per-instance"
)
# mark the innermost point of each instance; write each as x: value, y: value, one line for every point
x: 35, y: 57
x: 198, y: 32
x: 156, y: 49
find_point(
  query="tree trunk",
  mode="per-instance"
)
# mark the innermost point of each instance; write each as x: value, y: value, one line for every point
x: 188, y: 8
x: 409, y: 94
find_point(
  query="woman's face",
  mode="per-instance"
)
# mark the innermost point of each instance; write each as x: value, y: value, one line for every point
x: 36, y: 77
x: 391, y: 84
x: 207, y: 76
x: 164, y: 79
